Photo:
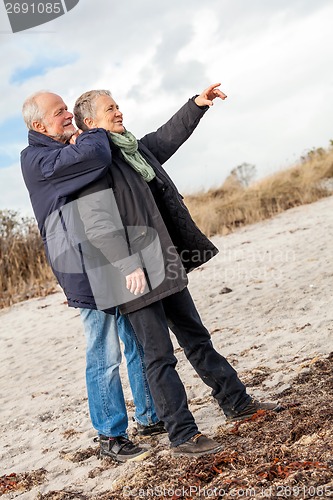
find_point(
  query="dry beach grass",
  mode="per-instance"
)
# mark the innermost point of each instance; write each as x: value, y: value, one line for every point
x: 24, y: 271
x: 221, y: 210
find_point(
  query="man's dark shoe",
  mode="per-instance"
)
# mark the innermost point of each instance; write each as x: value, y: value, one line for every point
x: 252, y: 408
x: 149, y: 430
x: 121, y: 449
x: 197, y: 445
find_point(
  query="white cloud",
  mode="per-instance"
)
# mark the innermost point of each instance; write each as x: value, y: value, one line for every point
x: 13, y: 193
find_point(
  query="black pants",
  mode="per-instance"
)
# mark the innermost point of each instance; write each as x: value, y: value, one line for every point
x: 151, y: 327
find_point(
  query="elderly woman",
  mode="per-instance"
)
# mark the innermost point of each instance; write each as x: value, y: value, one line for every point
x: 145, y: 242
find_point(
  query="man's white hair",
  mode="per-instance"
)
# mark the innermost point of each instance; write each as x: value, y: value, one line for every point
x: 31, y: 111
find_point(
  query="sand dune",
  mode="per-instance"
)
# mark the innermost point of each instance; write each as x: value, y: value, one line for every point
x: 267, y: 300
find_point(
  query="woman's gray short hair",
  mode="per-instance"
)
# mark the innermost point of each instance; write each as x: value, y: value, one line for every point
x: 84, y: 106
x: 31, y: 111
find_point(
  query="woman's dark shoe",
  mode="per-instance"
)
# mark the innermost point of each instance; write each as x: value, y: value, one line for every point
x: 197, y: 445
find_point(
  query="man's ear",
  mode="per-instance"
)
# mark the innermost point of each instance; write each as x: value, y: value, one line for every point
x: 39, y: 127
x: 89, y: 122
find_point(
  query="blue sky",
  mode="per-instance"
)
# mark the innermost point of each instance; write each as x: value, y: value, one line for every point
x: 39, y: 67
x: 274, y: 61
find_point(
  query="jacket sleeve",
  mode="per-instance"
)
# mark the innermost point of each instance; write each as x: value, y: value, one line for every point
x: 103, y: 226
x: 73, y: 167
x: 169, y: 137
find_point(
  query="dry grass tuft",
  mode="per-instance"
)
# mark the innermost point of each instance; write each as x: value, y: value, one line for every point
x: 24, y: 271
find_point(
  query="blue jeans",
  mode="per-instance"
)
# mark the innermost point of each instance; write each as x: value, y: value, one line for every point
x: 103, y: 356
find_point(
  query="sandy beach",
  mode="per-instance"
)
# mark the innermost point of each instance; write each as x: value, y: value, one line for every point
x: 267, y: 300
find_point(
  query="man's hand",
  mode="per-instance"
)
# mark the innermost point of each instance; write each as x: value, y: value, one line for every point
x: 136, y: 281
x: 206, y: 97
x: 72, y: 140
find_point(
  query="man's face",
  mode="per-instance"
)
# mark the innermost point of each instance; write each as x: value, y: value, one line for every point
x: 57, y: 120
x: 107, y: 115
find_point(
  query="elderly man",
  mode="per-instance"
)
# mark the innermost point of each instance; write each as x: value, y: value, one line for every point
x: 54, y: 170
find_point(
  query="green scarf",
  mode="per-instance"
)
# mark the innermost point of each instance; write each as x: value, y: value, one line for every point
x: 129, y: 149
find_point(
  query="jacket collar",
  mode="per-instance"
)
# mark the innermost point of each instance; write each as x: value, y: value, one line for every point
x: 38, y: 139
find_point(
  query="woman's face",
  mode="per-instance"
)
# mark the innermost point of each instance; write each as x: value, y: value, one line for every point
x: 108, y: 115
